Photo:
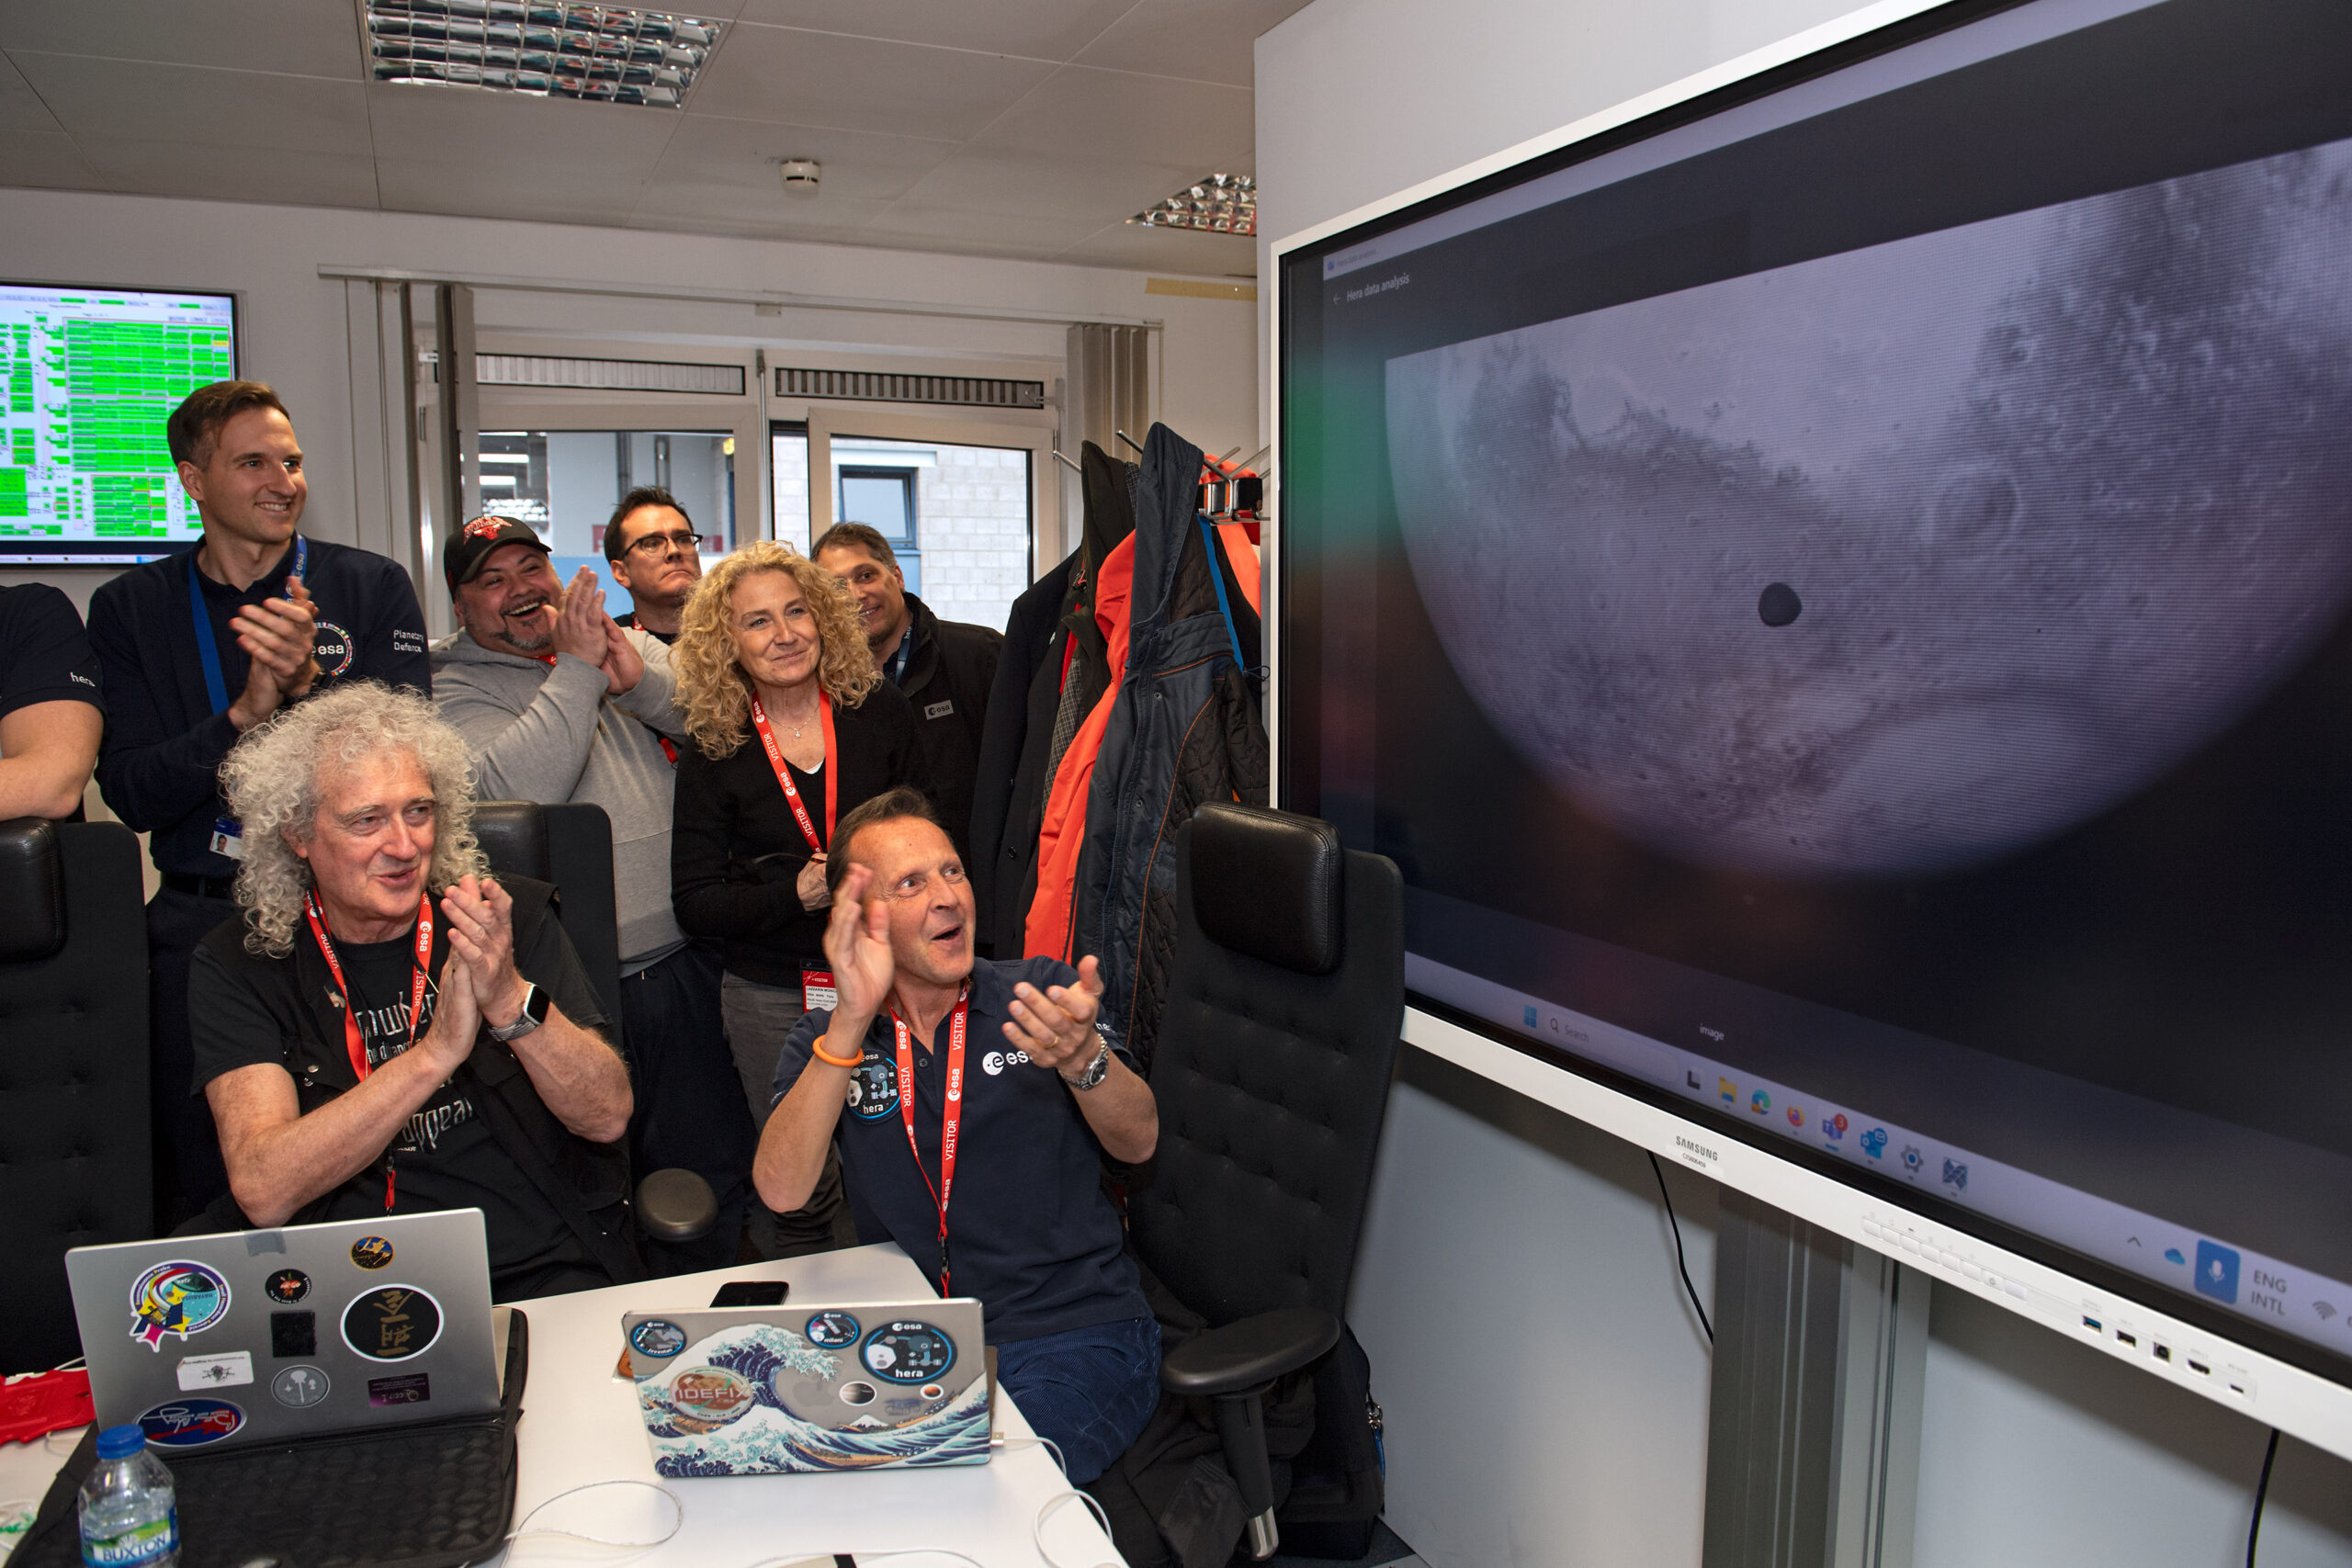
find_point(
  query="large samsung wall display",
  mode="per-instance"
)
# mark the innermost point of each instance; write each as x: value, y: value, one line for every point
x: 1838, y: 596
x: 88, y: 377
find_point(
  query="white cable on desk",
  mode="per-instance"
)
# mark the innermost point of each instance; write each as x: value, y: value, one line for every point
x: 1037, y: 1527
x: 998, y: 1440
x: 677, y: 1522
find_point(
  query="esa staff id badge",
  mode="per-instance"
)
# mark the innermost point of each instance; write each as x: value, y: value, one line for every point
x: 229, y: 838
x: 817, y: 990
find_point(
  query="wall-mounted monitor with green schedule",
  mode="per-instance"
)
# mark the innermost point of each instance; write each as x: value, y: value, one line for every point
x: 88, y: 377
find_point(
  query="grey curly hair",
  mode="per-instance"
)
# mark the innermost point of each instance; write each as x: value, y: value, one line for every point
x: 272, y: 780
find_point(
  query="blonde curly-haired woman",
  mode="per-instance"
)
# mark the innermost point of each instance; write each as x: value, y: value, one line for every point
x: 792, y: 726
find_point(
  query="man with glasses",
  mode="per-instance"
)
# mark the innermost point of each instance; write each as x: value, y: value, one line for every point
x: 651, y: 546
x: 559, y: 702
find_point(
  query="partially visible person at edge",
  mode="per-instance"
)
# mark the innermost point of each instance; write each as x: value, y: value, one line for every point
x: 792, y: 726
x: 923, y: 1038
x: 557, y: 702
x: 386, y: 1028
x: 51, y: 711
x: 652, y: 545
x: 945, y: 668
x: 198, y: 648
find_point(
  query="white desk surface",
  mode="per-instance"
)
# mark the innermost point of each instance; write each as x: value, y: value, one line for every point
x: 579, y: 1423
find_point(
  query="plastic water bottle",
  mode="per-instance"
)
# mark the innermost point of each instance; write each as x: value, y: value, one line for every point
x: 128, y: 1512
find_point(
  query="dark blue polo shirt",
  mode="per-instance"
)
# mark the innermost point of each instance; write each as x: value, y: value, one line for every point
x: 1030, y: 1230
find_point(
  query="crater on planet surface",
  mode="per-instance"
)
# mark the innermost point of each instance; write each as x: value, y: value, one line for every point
x: 2068, y: 491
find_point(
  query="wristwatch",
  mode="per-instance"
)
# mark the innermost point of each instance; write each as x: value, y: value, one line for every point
x: 1095, y: 1071
x: 535, y: 1004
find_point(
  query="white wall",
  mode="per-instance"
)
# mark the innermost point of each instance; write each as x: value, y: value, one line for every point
x: 1497, y: 1222
x: 293, y: 326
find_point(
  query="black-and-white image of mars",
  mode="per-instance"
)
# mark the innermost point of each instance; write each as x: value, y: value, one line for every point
x: 1899, y: 561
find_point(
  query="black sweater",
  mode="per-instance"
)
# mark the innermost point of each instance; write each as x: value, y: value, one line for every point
x: 736, y: 850
x: 163, y: 744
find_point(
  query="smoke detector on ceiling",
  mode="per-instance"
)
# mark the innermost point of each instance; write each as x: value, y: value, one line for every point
x: 800, y: 176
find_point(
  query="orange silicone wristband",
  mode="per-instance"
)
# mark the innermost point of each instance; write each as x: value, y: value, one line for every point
x: 817, y: 1046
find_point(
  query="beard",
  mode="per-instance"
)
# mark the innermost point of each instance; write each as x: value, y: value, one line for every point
x: 527, y: 629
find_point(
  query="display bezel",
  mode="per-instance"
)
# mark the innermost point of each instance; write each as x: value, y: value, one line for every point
x: 2279, y: 1378
x: 78, y: 554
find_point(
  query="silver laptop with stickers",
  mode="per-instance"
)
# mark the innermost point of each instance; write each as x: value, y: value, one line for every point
x: 852, y: 1385
x: 257, y: 1336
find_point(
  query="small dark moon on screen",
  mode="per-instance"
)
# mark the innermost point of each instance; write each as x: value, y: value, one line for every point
x: 2068, y: 490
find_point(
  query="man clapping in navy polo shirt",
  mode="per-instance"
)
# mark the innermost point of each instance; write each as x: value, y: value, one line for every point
x: 973, y: 1104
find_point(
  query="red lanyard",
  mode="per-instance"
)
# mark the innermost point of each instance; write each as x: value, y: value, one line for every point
x: 351, y: 1039
x: 951, y: 1119
x: 783, y: 773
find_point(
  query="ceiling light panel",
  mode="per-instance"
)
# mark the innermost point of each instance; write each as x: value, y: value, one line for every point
x: 600, y: 53
x: 1219, y: 204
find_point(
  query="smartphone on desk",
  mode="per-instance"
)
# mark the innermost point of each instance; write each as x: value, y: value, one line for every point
x: 751, y: 1293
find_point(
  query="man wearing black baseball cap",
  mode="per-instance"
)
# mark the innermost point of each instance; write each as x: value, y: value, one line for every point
x: 559, y: 704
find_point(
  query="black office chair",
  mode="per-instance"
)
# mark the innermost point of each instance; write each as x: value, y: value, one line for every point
x: 74, y: 1151
x: 1271, y: 1073
x: 571, y: 846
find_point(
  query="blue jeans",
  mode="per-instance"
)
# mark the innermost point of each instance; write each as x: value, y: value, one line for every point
x: 1089, y: 1390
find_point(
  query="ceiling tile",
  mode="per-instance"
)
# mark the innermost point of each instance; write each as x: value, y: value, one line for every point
x: 1000, y: 230
x: 1087, y: 192
x: 1205, y: 41
x: 198, y: 104
x: 811, y: 78
x: 741, y: 155
x: 302, y: 38
x: 550, y: 195
x: 506, y: 137
x: 1083, y: 113
x: 287, y: 177
x: 1041, y: 30
x: 46, y: 158
x: 708, y: 209
x: 1166, y: 250
x: 21, y: 106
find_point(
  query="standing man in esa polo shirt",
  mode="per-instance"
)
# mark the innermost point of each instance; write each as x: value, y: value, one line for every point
x: 997, y: 1068
x: 557, y: 702
x: 196, y: 649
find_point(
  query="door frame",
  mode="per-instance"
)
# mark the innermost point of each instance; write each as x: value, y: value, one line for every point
x: 1034, y: 434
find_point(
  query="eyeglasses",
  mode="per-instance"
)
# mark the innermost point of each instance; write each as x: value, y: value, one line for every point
x: 656, y: 544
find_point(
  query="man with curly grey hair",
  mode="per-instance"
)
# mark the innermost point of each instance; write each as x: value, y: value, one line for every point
x: 386, y: 1029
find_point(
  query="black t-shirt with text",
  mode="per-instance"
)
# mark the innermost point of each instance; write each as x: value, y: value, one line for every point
x: 445, y: 1156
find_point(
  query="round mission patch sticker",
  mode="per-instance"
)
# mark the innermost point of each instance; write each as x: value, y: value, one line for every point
x: 707, y: 1398
x: 179, y: 1298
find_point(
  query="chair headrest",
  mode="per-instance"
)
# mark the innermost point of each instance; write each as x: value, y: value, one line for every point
x: 1269, y: 883
x: 514, y: 835
x: 32, y: 891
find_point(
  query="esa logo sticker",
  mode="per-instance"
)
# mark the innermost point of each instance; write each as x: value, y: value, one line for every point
x: 996, y: 1062
x: 706, y: 1398
x: 333, y: 651
x: 287, y: 1286
x: 873, y: 1091
x: 832, y: 1330
x: 657, y: 1338
x: 940, y: 710
x: 176, y: 1298
x: 392, y: 1324
x: 191, y: 1423
x: 371, y: 1252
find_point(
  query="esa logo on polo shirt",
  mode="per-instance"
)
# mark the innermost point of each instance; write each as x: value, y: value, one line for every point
x: 996, y: 1062
x: 873, y: 1091
x: 334, y: 650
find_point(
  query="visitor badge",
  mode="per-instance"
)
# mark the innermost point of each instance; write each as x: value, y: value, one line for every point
x: 229, y: 838
x: 817, y: 990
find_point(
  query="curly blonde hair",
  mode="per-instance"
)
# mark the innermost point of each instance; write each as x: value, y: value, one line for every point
x: 713, y: 689
x: 273, y: 779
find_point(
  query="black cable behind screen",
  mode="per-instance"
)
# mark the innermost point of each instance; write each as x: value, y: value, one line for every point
x: 2261, y: 1492
x: 1685, y: 1266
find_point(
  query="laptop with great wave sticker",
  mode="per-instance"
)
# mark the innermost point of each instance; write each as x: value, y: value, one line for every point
x: 852, y: 1385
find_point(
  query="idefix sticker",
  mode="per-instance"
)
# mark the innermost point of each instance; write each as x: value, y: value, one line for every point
x: 176, y: 1298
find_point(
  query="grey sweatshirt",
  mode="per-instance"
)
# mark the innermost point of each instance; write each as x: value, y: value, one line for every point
x: 549, y: 733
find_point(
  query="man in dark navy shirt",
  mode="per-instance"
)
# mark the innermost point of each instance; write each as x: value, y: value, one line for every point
x: 50, y: 712
x: 200, y: 648
x: 999, y: 1068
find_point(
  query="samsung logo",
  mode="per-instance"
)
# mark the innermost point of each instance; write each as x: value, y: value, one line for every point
x: 1689, y: 1147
